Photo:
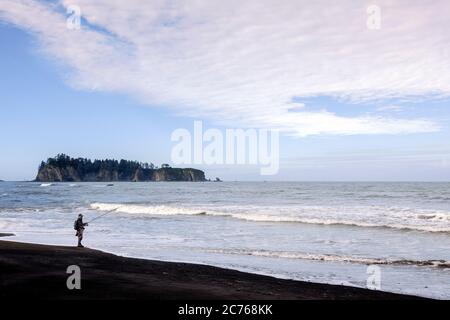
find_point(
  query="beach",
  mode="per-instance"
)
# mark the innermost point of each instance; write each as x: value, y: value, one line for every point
x: 39, y: 271
x: 329, y: 233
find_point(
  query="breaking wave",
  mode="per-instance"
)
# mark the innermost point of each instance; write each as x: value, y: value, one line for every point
x: 366, y: 217
x: 332, y: 258
x: 145, y: 210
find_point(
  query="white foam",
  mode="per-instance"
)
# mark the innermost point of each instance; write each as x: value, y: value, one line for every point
x: 366, y: 217
x: 145, y: 210
x: 46, y: 184
x: 332, y: 257
x: 356, y: 223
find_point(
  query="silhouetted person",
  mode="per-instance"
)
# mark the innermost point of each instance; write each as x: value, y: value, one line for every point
x: 79, y: 226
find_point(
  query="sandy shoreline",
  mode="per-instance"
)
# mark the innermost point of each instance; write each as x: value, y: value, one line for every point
x: 39, y: 271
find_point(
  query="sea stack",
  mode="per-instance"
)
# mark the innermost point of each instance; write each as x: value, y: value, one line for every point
x: 63, y: 168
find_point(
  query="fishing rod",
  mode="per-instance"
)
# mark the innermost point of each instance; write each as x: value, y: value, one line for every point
x: 104, y: 214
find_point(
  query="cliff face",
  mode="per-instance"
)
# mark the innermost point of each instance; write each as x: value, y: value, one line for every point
x: 54, y: 174
x: 50, y: 173
x: 176, y: 174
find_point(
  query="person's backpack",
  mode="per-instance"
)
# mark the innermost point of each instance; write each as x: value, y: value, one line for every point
x: 75, y: 225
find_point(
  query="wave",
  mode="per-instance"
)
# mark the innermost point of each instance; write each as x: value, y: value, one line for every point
x: 333, y: 258
x: 146, y: 210
x: 393, y: 218
x: 46, y: 184
x: 329, y: 222
x: 445, y: 198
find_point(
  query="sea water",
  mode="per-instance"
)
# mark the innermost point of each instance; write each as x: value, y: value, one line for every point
x: 319, y: 232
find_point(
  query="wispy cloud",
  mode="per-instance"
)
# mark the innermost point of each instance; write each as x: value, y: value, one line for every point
x: 391, y: 108
x: 243, y: 61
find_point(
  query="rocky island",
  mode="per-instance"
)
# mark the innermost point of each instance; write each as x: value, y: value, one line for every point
x: 63, y: 168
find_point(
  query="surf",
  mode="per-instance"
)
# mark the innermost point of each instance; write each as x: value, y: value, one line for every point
x: 398, y: 218
x: 438, y: 263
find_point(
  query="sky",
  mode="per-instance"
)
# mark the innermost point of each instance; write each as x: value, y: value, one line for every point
x: 352, y: 100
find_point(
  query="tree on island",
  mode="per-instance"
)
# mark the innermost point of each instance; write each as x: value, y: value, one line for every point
x: 65, y: 168
x: 86, y: 166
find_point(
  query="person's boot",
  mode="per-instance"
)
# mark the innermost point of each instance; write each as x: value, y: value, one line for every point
x: 80, y: 245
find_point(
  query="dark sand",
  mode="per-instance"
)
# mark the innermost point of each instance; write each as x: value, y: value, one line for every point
x: 39, y: 271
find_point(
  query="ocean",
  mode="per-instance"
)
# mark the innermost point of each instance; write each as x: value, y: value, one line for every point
x: 319, y: 232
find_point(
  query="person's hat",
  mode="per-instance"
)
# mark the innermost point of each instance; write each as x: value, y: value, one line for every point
x: 80, y: 215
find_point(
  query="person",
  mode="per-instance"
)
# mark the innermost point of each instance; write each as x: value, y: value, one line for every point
x: 79, y: 226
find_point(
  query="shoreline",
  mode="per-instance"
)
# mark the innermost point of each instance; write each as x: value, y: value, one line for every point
x: 39, y: 271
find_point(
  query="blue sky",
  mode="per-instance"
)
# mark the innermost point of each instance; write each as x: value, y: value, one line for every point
x: 64, y: 98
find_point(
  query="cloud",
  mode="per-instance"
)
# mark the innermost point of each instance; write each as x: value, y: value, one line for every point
x: 242, y: 62
x: 391, y: 108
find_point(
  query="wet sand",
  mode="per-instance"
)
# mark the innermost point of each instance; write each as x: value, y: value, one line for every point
x: 39, y: 271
